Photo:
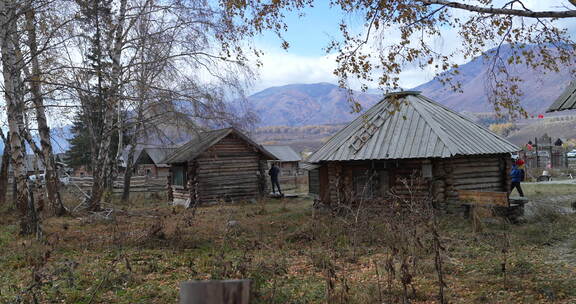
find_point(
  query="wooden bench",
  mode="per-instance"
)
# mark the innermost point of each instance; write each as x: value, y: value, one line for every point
x: 484, y: 198
x: 499, y: 202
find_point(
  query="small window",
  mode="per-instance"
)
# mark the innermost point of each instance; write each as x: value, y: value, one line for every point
x: 362, y: 183
x: 383, y: 183
x: 178, y: 176
x: 371, y: 184
x: 427, y: 170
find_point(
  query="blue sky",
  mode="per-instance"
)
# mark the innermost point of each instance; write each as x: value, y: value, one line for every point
x: 307, y: 35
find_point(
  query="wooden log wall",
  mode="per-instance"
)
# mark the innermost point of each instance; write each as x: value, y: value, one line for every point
x: 180, y: 194
x: 406, y: 179
x: 193, y: 183
x: 334, y: 182
x: 230, y: 171
x: 483, y: 173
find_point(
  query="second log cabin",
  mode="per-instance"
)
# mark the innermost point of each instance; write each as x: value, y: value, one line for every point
x: 219, y: 165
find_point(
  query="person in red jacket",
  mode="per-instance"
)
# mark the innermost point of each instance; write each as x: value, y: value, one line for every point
x: 521, y: 166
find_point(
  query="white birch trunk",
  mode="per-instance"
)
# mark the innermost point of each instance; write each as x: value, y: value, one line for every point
x: 51, y: 173
x: 14, y: 106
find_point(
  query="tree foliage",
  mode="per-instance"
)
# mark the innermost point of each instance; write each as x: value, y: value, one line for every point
x: 399, y: 34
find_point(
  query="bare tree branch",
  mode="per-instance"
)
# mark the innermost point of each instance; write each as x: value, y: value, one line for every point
x: 504, y: 11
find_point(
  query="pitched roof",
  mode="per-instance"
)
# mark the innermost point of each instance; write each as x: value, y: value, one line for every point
x: 409, y: 125
x: 566, y: 101
x: 204, y: 140
x: 284, y: 153
x: 156, y: 154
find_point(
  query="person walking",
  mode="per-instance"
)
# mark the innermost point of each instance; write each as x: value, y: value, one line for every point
x: 516, y: 174
x: 274, y: 172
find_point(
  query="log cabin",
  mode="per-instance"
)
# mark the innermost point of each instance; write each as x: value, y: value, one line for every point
x: 408, y: 137
x: 218, y: 165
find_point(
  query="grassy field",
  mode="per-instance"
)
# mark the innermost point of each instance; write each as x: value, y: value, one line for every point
x: 538, y: 191
x: 291, y: 253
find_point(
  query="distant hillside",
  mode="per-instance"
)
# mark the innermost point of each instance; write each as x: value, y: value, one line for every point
x: 324, y: 103
x: 304, y: 138
x: 306, y: 104
x: 539, y: 89
x: 563, y: 126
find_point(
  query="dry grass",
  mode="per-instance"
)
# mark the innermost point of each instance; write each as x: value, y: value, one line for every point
x: 290, y: 253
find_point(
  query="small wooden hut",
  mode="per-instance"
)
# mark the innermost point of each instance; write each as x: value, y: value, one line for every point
x: 404, y: 137
x: 218, y: 165
x: 150, y: 161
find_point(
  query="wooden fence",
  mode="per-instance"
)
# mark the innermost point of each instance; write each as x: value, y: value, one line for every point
x: 552, y: 157
x: 137, y: 184
x: 543, y: 153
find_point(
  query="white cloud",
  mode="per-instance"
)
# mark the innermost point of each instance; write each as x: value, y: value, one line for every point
x: 281, y: 68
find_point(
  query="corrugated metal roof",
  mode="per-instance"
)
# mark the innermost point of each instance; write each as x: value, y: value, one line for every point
x: 204, y: 140
x: 409, y: 125
x: 566, y: 101
x: 284, y: 153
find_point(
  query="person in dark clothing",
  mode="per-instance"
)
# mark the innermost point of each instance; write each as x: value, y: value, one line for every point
x: 516, y: 176
x: 274, y: 172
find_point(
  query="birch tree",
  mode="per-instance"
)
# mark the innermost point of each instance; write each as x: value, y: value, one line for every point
x: 148, y: 59
x: 37, y: 96
x: 14, y: 98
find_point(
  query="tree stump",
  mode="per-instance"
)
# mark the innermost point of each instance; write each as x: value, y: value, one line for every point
x: 215, y: 292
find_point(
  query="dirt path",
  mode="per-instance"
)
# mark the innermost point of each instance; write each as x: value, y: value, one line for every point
x: 564, y: 252
x: 560, y: 203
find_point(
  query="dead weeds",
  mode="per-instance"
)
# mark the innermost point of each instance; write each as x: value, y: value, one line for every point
x: 291, y: 255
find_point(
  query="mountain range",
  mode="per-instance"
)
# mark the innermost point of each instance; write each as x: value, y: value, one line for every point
x: 306, y: 104
x: 325, y: 103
